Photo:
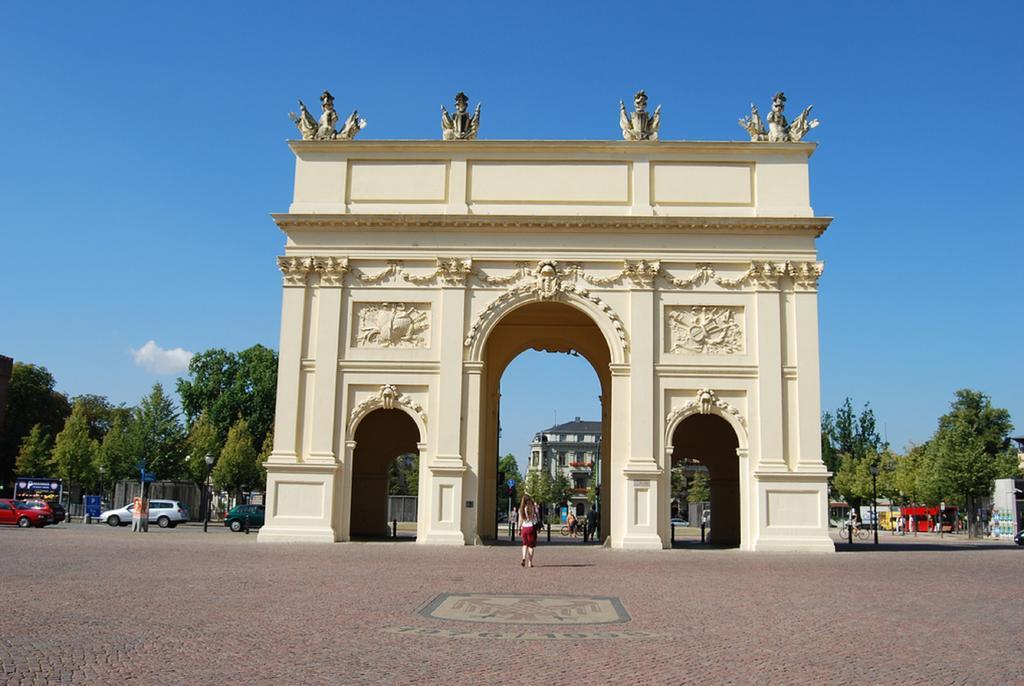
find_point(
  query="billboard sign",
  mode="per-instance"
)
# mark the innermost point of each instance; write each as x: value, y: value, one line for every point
x: 37, y: 488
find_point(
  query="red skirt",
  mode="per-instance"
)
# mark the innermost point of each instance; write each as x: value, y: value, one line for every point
x: 530, y: 536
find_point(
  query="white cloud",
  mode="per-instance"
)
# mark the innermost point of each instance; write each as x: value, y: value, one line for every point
x: 157, y: 360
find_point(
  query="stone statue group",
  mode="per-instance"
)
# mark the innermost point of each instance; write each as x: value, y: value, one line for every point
x: 640, y: 125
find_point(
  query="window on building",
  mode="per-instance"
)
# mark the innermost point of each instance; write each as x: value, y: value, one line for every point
x: 570, y: 438
x: 553, y: 437
x: 589, y: 438
x: 561, y: 459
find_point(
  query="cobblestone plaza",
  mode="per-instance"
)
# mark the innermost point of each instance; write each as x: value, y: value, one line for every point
x: 95, y: 605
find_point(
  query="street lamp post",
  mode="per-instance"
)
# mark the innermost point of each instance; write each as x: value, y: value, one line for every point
x: 102, y: 472
x: 874, y: 497
x: 206, y: 491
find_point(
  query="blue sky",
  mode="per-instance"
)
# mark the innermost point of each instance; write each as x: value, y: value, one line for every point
x: 144, y: 150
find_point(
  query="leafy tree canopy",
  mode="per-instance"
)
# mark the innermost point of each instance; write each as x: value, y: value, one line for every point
x: 31, y: 400
x: 119, y: 451
x: 74, y: 452
x: 158, y: 435
x: 202, y: 440
x: 238, y: 468
x: 228, y: 385
x: 36, y: 455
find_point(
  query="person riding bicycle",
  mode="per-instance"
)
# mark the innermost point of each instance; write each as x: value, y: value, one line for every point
x: 571, y: 523
x: 855, y: 521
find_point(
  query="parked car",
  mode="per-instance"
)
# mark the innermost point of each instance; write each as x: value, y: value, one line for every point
x: 241, y: 516
x: 677, y: 521
x: 54, y: 509
x: 166, y: 513
x: 1019, y: 538
x: 59, y: 513
x: 20, y: 514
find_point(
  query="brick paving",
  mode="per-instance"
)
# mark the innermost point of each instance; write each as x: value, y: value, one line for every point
x: 95, y: 605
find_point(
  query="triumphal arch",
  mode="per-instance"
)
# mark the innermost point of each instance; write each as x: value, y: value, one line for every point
x: 685, y: 272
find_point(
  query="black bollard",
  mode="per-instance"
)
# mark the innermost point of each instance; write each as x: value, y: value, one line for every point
x: 394, y: 528
x: 246, y: 524
x: 849, y: 532
x: 703, y: 529
x: 549, y: 532
x: 673, y: 525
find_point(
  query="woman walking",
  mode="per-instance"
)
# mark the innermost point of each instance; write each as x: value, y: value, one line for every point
x: 528, y: 528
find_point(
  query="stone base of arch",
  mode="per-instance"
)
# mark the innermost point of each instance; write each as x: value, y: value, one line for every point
x: 301, y: 498
x: 792, y: 512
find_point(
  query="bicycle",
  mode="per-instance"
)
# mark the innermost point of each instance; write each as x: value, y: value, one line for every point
x: 859, y: 533
x: 578, y: 531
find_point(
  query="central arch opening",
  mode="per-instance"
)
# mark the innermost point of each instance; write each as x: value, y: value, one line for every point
x: 552, y: 327
x: 704, y: 453
x: 384, y: 462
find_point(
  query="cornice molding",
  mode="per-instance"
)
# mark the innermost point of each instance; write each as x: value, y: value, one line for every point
x: 616, y: 147
x: 547, y: 223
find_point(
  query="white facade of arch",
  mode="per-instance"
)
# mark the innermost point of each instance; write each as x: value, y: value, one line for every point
x: 696, y: 261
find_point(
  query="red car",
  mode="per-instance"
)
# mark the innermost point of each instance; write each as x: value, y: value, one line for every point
x: 19, y: 513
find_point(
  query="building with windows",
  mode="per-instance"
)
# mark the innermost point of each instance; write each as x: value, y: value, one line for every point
x: 572, y: 450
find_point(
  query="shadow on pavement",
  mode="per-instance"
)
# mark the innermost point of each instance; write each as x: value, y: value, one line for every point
x: 901, y: 547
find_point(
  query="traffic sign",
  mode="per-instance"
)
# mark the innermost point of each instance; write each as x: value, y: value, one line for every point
x: 511, y: 483
x: 147, y: 477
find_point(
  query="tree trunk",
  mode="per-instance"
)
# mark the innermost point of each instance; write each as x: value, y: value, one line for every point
x: 971, y: 533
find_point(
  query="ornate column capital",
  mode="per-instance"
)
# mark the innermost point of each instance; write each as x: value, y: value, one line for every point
x: 805, y: 275
x: 295, y: 270
x: 332, y: 270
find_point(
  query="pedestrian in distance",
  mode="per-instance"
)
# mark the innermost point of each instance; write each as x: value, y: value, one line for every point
x: 528, y: 523
x: 513, y: 522
x: 913, y: 525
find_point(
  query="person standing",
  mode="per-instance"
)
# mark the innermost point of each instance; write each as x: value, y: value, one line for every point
x: 528, y: 522
x: 913, y: 525
x: 513, y: 521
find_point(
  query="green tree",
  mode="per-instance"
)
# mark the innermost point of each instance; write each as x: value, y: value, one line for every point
x: 100, y: 413
x: 561, y: 490
x: 268, y: 447
x: 238, y: 468
x: 36, y: 455
x: 700, y: 487
x: 404, y: 475
x: 119, y: 452
x: 159, y: 436
x: 966, y: 450
x: 509, y: 468
x: 1008, y: 464
x: 539, y: 486
x: 74, y: 452
x: 31, y: 400
x: 228, y: 385
x: 905, y: 478
x: 203, y: 439
x: 829, y: 454
x: 849, y: 434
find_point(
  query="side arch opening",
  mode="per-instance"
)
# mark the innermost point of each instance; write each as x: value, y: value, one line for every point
x: 706, y: 479
x: 386, y: 453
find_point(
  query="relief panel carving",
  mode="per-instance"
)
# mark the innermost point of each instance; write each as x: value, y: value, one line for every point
x: 391, y: 325
x: 703, y: 330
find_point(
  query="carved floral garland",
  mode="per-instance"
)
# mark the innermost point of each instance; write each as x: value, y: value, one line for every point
x: 388, y: 397
x: 548, y: 283
x: 455, y: 271
x: 703, y: 402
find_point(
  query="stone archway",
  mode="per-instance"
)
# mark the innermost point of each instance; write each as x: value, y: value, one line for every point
x: 711, y: 441
x: 549, y: 326
x: 380, y: 437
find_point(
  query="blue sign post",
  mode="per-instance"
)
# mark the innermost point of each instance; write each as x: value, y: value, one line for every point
x: 511, y: 483
x: 92, y: 505
x: 147, y: 477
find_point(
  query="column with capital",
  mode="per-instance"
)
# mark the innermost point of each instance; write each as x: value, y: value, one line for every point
x: 295, y: 272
